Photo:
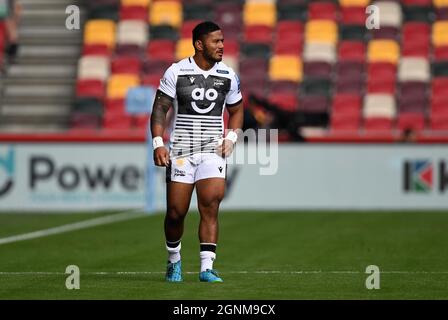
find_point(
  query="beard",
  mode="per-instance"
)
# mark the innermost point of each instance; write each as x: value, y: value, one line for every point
x: 208, y: 55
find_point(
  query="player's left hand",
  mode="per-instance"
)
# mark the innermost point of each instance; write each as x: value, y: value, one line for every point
x: 225, y: 148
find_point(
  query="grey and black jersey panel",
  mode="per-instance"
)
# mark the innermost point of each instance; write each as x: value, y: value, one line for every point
x: 199, y: 121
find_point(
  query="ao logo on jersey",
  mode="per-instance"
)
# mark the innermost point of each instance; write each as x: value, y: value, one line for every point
x: 199, y: 94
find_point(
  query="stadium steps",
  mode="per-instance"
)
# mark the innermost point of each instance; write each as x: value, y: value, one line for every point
x: 37, y: 88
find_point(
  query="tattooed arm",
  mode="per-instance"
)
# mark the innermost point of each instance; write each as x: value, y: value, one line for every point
x: 162, y: 103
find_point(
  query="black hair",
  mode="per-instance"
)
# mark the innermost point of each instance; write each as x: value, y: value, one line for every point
x: 203, y: 29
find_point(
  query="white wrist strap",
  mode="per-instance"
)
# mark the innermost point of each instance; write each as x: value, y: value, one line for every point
x: 232, y: 136
x: 157, y: 142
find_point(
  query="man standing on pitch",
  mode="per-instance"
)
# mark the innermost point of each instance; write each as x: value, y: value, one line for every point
x: 199, y: 88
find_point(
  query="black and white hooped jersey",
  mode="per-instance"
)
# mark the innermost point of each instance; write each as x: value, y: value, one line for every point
x: 200, y: 99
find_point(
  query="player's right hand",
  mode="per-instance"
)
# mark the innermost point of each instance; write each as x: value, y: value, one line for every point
x: 161, y: 157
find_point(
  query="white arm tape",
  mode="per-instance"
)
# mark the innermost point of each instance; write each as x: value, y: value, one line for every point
x: 232, y: 136
x: 157, y: 142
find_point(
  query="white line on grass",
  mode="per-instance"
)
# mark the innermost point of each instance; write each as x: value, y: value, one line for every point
x: 116, y: 217
x: 137, y: 273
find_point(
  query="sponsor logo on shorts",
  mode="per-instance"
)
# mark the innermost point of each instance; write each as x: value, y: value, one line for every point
x: 179, y: 173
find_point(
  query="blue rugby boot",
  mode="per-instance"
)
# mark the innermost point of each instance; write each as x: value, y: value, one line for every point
x: 174, y: 272
x: 209, y: 276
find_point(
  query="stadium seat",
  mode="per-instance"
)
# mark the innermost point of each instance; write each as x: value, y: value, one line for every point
x: 119, y: 85
x: 314, y: 104
x: 116, y: 121
x: 184, y: 49
x: 390, y: 14
x: 440, y: 3
x: 228, y: 14
x: 353, y: 32
x: 285, y: 68
x: 90, y: 88
x: 440, y: 69
x: 321, y: 31
x: 439, y: 122
x: 160, y: 49
x: 378, y: 124
x: 93, y: 67
x: 354, y: 3
x: 255, y: 50
x: 352, y: 51
x: 132, y: 32
x: 135, y: 3
x: 100, y: 32
x: 134, y: 13
x: 167, y: 13
x: 384, y: 85
x: 186, y: 30
x: 232, y: 62
x: 116, y: 105
x: 283, y: 86
x: 379, y: 106
x: 316, y: 86
x: 257, y: 34
x: 414, y: 69
x: 347, y: 104
x: 88, y: 105
x: 418, y: 13
x: 413, y: 97
x: 256, y: 68
x: 96, y: 50
x: 416, y: 39
x: 440, y: 54
x: 383, y: 51
x: 140, y: 99
x: 317, y: 69
x: 353, y: 15
x: 319, y: 52
x: 386, y: 33
x: 259, y: 13
x: 439, y: 87
x: 197, y: 11
x: 345, y: 122
x: 322, y: 10
x: 231, y: 48
x: 411, y: 120
x: 82, y: 120
x: 292, y: 10
x: 126, y: 65
x: 155, y: 67
x: 286, y: 101
x: 165, y: 32
x: 440, y: 33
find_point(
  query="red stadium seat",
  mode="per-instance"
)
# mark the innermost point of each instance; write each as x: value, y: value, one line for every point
x: 345, y: 121
x: 416, y: 39
x: 231, y: 48
x: 353, y: 16
x: 439, y: 86
x: 155, y: 67
x: 187, y: 28
x: 291, y: 30
x: 282, y: 47
x: 117, y: 121
x: 417, y: 2
x: 381, y: 70
x: 347, y: 104
x: 152, y: 80
x: 258, y: 34
x: 382, y: 85
x: 134, y: 13
x: 141, y: 121
x: 161, y: 49
x: 84, y: 122
x: 90, y: 88
x: 352, y: 51
x: 378, y: 124
x: 441, y: 53
x: 439, y: 122
x: 322, y: 10
x: 126, y: 65
x: 96, y: 50
x: 115, y: 105
x: 317, y: 69
x: 285, y: 101
x: 283, y: 86
x: 411, y: 120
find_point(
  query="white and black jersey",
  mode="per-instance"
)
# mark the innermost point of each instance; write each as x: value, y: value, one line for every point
x: 200, y: 97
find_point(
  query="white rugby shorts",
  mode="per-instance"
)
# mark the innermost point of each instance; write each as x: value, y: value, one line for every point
x: 196, y: 167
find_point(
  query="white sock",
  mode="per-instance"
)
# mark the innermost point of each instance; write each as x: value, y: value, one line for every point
x: 207, y: 258
x: 173, y: 253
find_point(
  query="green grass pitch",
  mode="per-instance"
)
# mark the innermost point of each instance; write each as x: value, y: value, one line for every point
x: 260, y: 255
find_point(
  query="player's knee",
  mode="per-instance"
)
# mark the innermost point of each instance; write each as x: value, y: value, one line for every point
x: 212, y: 202
x: 175, y: 215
